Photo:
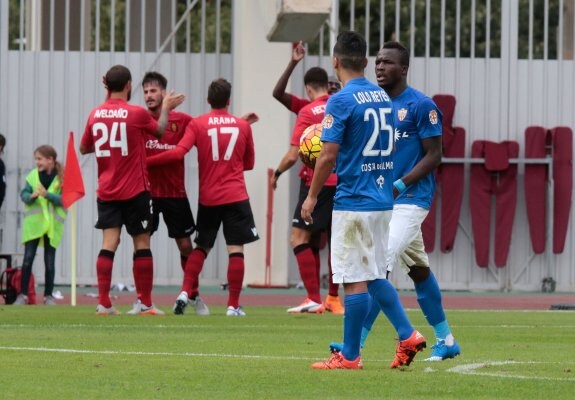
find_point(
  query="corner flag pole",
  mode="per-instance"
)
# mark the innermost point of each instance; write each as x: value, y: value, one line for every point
x: 73, y: 256
x: 72, y: 191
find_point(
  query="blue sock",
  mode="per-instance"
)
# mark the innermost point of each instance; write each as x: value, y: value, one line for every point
x: 374, y: 310
x: 356, y: 308
x: 383, y: 292
x: 429, y: 299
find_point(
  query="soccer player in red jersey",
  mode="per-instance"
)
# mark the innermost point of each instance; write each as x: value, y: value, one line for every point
x: 225, y: 150
x: 116, y: 132
x: 304, y: 236
x: 167, y: 181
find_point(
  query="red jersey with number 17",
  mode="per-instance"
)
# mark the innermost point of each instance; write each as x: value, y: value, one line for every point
x: 225, y: 150
x: 168, y: 180
x: 117, y: 132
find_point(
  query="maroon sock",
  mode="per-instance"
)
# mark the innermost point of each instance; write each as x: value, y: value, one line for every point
x: 308, y: 271
x: 183, y: 261
x: 315, y: 251
x: 192, y: 272
x: 235, y: 278
x: 143, y: 270
x: 333, y: 287
x: 104, y: 264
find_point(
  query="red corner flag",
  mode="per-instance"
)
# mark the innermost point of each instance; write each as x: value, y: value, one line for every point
x: 73, y: 189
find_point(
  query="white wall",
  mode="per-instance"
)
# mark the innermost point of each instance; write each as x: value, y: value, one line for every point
x: 257, y: 66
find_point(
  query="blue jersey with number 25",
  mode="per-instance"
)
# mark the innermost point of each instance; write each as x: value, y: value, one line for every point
x: 359, y: 118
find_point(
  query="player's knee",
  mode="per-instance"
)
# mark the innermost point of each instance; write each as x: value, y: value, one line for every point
x: 418, y: 274
x: 299, y: 237
x: 185, y: 247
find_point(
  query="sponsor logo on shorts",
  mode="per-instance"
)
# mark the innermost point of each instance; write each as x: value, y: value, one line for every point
x: 144, y: 224
x: 254, y: 231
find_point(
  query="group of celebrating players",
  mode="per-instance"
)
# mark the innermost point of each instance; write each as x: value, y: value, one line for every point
x: 372, y: 217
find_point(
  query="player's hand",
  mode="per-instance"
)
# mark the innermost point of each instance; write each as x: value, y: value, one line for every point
x: 251, y: 117
x: 395, y: 192
x: 274, y: 181
x: 307, y: 209
x: 308, y: 162
x: 173, y: 100
x: 298, y: 52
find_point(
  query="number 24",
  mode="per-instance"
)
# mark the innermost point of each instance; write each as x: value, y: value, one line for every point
x: 117, y: 137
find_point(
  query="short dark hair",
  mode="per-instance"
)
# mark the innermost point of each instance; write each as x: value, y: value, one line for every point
x: 2, y: 141
x: 403, y: 51
x: 316, y: 77
x: 153, y: 76
x: 117, y: 78
x: 219, y: 93
x: 351, y: 50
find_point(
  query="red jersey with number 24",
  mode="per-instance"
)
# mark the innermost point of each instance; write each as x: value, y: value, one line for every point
x: 117, y: 132
x: 225, y: 150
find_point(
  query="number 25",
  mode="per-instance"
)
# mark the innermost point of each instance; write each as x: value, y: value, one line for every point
x: 380, y: 124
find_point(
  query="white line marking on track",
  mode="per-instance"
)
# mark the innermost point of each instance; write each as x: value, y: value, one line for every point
x: 472, y: 369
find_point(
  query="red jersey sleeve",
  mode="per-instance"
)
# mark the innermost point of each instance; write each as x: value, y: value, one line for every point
x: 249, y: 155
x: 177, y: 153
x: 145, y: 121
x: 297, y: 103
x: 87, y: 141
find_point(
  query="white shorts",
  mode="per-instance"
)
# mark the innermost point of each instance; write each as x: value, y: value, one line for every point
x: 405, y: 246
x: 359, y: 245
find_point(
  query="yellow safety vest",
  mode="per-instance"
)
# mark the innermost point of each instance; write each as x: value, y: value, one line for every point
x: 42, y: 217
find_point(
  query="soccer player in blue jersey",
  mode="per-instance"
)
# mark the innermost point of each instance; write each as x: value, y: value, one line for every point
x: 417, y: 153
x: 358, y: 140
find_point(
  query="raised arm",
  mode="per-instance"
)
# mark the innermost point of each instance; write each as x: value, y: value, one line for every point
x: 279, y: 92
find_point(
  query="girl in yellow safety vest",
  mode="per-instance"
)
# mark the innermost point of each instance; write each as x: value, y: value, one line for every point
x: 44, y: 219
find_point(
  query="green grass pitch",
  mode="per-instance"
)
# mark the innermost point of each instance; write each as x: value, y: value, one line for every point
x: 68, y: 352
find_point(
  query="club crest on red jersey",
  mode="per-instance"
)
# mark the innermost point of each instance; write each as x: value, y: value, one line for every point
x: 327, y: 121
x: 401, y: 113
x: 174, y: 127
x: 433, y: 117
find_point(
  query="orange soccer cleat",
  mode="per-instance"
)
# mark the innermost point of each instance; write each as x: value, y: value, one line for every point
x: 333, y: 305
x: 407, y: 349
x: 338, y: 361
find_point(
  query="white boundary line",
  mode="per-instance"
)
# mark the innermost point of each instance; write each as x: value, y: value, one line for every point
x: 147, y: 353
x: 472, y: 369
x: 189, y: 326
x: 465, y: 369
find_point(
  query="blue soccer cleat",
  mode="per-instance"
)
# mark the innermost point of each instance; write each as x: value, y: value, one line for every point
x: 335, y: 347
x: 441, y: 351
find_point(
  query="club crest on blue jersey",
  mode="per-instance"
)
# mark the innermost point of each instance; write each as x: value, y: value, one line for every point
x: 380, y: 181
x: 433, y: 117
x: 401, y: 113
x: 327, y: 121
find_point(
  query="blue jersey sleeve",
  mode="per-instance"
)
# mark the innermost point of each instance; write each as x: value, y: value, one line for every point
x: 333, y: 124
x: 429, y: 119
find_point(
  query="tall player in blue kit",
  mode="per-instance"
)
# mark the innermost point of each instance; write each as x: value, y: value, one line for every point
x: 358, y: 141
x: 418, y: 132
